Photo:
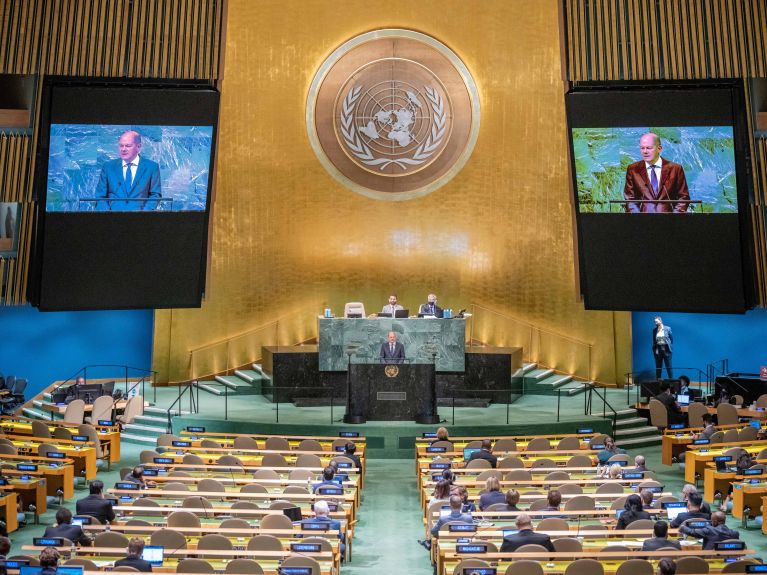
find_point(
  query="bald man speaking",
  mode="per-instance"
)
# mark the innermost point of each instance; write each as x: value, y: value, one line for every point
x: 130, y: 176
x: 654, y: 178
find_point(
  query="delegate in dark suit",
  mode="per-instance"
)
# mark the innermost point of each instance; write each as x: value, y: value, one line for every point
x: 655, y: 543
x: 524, y: 537
x: 74, y: 533
x: 136, y: 563
x: 113, y: 185
x: 486, y: 455
x: 672, y: 185
x: 96, y: 506
x: 392, y: 351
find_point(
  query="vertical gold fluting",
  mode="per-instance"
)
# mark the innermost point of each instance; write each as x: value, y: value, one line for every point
x: 287, y: 236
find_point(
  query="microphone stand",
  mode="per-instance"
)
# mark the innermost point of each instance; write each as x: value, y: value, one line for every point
x: 350, y: 416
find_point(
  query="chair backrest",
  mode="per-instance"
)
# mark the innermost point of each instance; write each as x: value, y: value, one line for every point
x: 133, y: 408
x: 44, y: 448
x: 635, y: 567
x: 192, y: 459
x: 731, y: 435
x: 478, y: 464
x: 580, y: 503
x: 301, y: 474
x: 727, y: 414
x: 737, y: 397
x: 253, y: 488
x: 214, y: 541
x: 568, y: 443
x: 264, y: 542
x: 354, y: 308
x: 570, y: 488
x: 618, y: 457
x: 531, y: 548
x: 543, y: 462
x: 739, y: 566
x: 585, y: 567
x: 111, y: 539
x: 567, y: 544
x: 40, y: 429
x: 148, y: 455
x: 717, y: 437
x: 235, y: 523
x: 494, y: 507
x: 274, y: 460
x: 93, y: 436
x: 761, y: 401
x: 579, y: 461
x: 183, y: 519
x: 307, y: 460
x: 641, y: 524
x: 196, y: 502
x: 321, y: 541
x: 228, y: 460
x: 610, y: 487
x: 62, y: 433
x: 524, y: 567
x: 244, y: 442
x: 538, y: 444
x: 190, y: 565
x: 293, y: 489
x: 175, y: 486
x: 125, y: 568
x: 281, y: 504
x: 167, y: 439
x: 209, y: 484
x: 619, y: 503
x: 519, y: 475
x: 467, y: 563
x: 309, y: 445
x: 75, y: 411
x: 168, y: 538
x: 276, y: 521
x: 695, y: 413
x: 510, y: 463
x: 506, y: 444
x: 266, y: 474
x: 691, y: 564
x: 6, y: 449
x: 87, y: 564
x: 538, y: 504
x: 277, y: 444
x: 552, y: 524
x: 487, y: 473
x: 557, y: 476
x: 302, y: 561
x: 210, y: 443
x: 245, y: 505
x: 102, y: 408
x: 244, y: 567
x: 747, y: 434
x: 658, y: 413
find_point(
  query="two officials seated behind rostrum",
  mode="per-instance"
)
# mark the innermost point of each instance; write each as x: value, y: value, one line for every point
x: 95, y: 505
x: 392, y: 351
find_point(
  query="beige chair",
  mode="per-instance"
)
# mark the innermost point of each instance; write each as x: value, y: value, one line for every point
x: 194, y: 566
x: 62, y: 433
x: 86, y: 564
x: 761, y: 401
x: 40, y: 429
x: 635, y: 567
x: 210, y: 444
x: 245, y: 505
x: 93, y: 436
x: 717, y: 437
x: 192, y: 459
x: 167, y: 439
x: 739, y: 566
x: 552, y: 524
x: 738, y: 399
x: 196, y: 502
x: 506, y: 444
x: 277, y: 444
x: 301, y: 475
x: 276, y: 521
x: 110, y: 539
x: 296, y: 489
x: 235, y: 523
x: 323, y: 543
x: 148, y: 455
x: 302, y: 561
x: 727, y: 414
x: 641, y: 524
x: 448, y: 445
x: 567, y: 544
x: 281, y: 504
x: 8, y: 449
x: 75, y: 412
x: 478, y: 464
x: 610, y: 487
x: 531, y: 548
x: 569, y: 444
x: 695, y: 413
x: 557, y: 476
x: 133, y: 408
x: 691, y: 565
x: 244, y: 442
x: 519, y: 475
x: 543, y: 463
x: 183, y: 519
x: 102, y: 409
x: 210, y: 485
x: 538, y: 444
x: 243, y: 567
x: 618, y: 457
x: 44, y: 448
x: 168, y: 538
x: 266, y: 474
x: 585, y: 567
x: 139, y: 523
x: 309, y: 445
x: 658, y: 414
x: 215, y: 542
x: 538, y: 504
x: 487, y: 473
x: 579, y: 461
x: 511, y: 463
x: 345, y: 460
x: 264, y: 542
x: 731, y: 436
x: 598, y: 439
x: 147, y: 502
x: 580, y: 503
x: 229, y: 460
x: 253, y: 488
x: 619, y: 503
x: 524, y: 567
x: 570, y: 489
x: 274, y: 460
x: 468, y: 563
x: 306, y: 460
x: 354, y: 308
x: 747, y: 434
x: 340, y: 442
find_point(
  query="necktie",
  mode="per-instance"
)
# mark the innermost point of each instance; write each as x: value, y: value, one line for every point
x: 653, y: 179
x: 391, y: 348
x: 128, y: 177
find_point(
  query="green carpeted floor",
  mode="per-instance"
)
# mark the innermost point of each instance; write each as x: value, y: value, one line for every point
x: 390, y: 520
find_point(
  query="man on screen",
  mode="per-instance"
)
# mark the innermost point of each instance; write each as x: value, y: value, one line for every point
x: 131, y: 176
x: 655, y: 178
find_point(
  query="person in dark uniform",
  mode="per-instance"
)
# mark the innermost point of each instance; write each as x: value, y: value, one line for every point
x: 95, y: 505
x: 135, y: 549
x: 485, y: 453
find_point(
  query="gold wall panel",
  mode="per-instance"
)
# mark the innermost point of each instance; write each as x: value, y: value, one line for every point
x: 286, y: 237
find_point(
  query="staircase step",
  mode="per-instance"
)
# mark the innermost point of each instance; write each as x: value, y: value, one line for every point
x: 214, y: 389
x: 232, y: 381
x: 631, y: 421
x: 633, y: 431
x: 556, y: 381
x: 47, y: 396
x: 159, y: 410
x: 579, y: 387
x: 133, y: 438
x: 528, y: 367
x: 643, y: 441
x: 35, y: 413
x: 626, y: 412
x: 145, y: 428
x: 538, y: 375
x: 153, y: 418
x: 249, y: 375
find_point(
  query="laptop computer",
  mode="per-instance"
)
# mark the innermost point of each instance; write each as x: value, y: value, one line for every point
x: 683, y: 399
x: 674, y: 508
x: 154, y: 554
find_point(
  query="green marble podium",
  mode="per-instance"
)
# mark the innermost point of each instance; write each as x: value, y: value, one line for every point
x: 420, y: 337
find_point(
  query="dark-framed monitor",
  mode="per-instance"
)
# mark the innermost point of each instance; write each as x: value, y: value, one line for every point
x: 661, y: 188
x: 123, y: 179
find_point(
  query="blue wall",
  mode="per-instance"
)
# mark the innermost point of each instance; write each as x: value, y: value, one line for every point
x: 46, y: 346
x: 700, y: 339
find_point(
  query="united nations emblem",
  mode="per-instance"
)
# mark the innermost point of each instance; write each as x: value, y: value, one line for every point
x: 391, y: 371
x: 393, y: 114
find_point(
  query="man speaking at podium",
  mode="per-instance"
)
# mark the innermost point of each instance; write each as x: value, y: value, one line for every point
x: 392, y: 351
x: 130, y: 176
x: 655, y: 178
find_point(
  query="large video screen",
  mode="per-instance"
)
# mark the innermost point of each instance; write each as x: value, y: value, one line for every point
x: 660, y: 189
x: 88, y: 168
x: 123, y: 181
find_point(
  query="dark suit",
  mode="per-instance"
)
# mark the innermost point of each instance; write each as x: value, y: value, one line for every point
x: 431, y: 309
x: 486, y: 455
x: 675, y: 414
x: 525, y: 537
x: 74, y: 533
x: 96, y: 506
x: 355, y: 458
x: 135, y: 562
x: 711, y: 535
x: 629, y: 516
x: 389, y: 356
x: 491, y: 498
x: 671, y: 186
x: 662, y: 350
x: 655, y: 543
x: 682, y: 517
x: 145, y: 184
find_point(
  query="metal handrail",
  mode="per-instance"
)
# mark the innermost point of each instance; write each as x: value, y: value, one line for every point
x: 152, y: 374
x: 588, y: 407
x: 193, y: 406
